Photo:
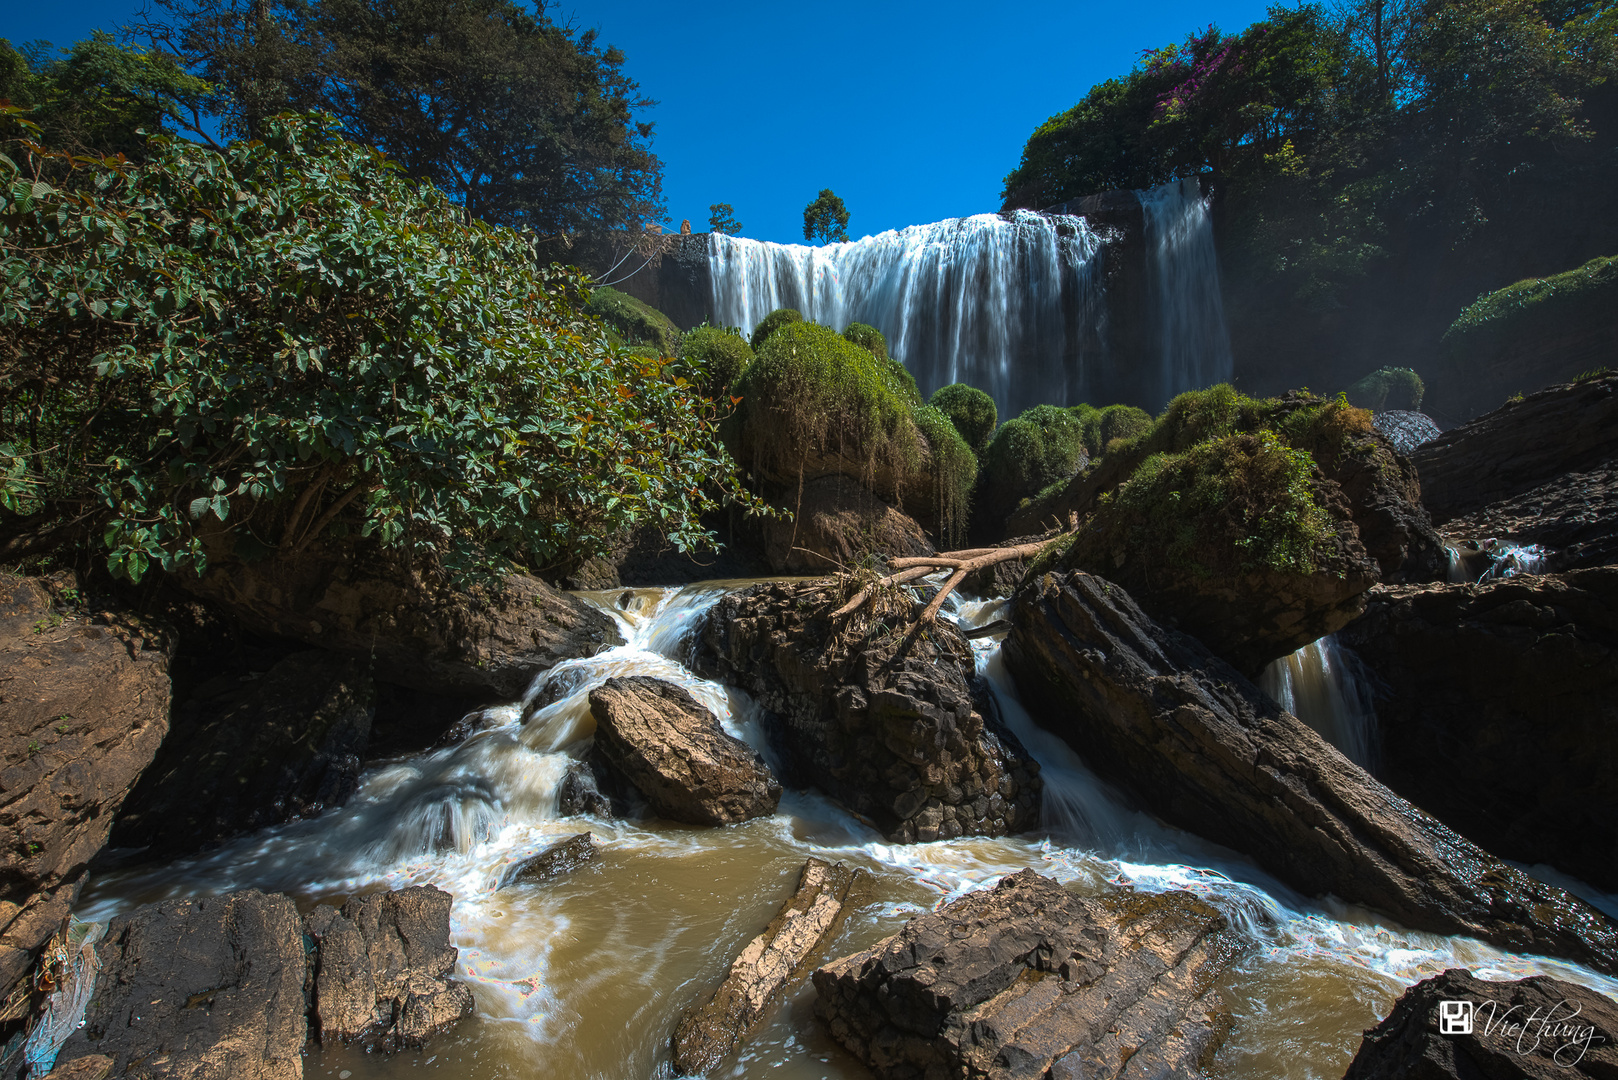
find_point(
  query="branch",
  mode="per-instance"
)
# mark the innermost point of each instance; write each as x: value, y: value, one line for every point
x: 964, y: 563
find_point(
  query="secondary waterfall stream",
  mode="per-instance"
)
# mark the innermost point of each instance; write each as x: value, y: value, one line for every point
x: 1013, y: 304
x: 584, y: 976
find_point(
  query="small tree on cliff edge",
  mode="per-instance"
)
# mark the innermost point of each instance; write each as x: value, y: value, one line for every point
x: 722, y: 218
x: 826, y: 219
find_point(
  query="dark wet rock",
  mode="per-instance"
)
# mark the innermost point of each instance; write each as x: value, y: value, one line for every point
x: 1498, y: 715
x: 1406, y: 429
x: 671, y: 748
x: 893, y: 727
x: 580, y: 793
x: 382, y: 969
x: 204, y: 987
x: 1573, y: 517
x: 1537, y: 1029
x: 409, y: 721
x: 415, y: 632
x: 1155, y: 712
x: 247, y: 753
x: 778, y: 958
x: 1384, y: 496
x: 562, y: 857
x: 84, y: 705
x: 838, y: 525
x: 1030, y: 980
x: 1520, y: 446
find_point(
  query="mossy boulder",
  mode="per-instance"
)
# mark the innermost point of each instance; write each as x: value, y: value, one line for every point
x: 717, y: 356
x: 814, y: 404
x: 1255, y: 524
x: 1388, y: 388
x: 1041, y: 448
x: 970, y: 410
x: 1533, y: 333
x: 868, y: 338
x: 772, y: 322
x: 635, y: 322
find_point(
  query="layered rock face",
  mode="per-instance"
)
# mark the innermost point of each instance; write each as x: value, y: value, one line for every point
x: 215, y: 986
x: 888, y: 725
x: 244, y: 755
x: 1538, y: 1029
x: 84, y: 704
x: 1574, y: 517
x: 1029, y: 980
x: 660, y: 739
x: 430, y: 637
x: 1201, y: 747
x: 837, y: 524
x: 1498, y: 715
x: 778, y: 957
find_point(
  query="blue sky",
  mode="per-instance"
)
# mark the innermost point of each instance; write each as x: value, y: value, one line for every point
x: 910, y: 112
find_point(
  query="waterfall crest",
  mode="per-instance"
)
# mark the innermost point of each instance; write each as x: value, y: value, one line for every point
x: 1011, y: 304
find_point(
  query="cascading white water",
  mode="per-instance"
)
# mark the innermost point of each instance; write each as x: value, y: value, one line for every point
x: 585, y: 975
x: 1187, y: 308
x: 1007, y: 303
x: 1326, y: 686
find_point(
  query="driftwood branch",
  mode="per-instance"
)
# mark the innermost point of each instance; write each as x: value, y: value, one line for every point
x: 914, y: 567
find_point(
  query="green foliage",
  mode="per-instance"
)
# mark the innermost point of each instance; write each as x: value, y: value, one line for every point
x: 1387, y: 388
x: 524, y: 121
x: 1041, y: 447
x: 868, y: 338
x: 970, y: 410
x: 825, y: 219
x: 954, y: 471
x: 722, y: 219
x: 771, y: 323
x: 808, y: 389
x: 292, y: 340
x: 1517, y: 316
x: 1102, y: 426
x: 1226, y: 505
x: 637, y: 322
x: 718, y: 355
x: 99, y: 95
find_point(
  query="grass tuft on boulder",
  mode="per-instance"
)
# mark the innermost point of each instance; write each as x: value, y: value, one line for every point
x: 636, y: 322
x: 1388, y: 388
x: 1521, y: 313
x: 954, y: 472
x: 771, y: 323
x: 971, y: 411
x: 717, y: 356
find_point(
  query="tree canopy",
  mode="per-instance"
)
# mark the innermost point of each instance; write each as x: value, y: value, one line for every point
x: 292, y: 340
x: 722, y: 218
x: 826, y: 219
x: 521, y: 119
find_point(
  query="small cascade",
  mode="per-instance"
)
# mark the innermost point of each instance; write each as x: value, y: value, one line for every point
x: 1187, y: 308
x: 1326, y: 686
x: 1008, y: 303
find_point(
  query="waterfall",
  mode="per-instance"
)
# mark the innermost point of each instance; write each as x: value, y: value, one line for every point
x: 1326, y: 686
x: 1193, y: 343
x: 1011, y: 303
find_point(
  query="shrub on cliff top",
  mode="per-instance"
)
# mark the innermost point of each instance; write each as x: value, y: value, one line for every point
x: 717, y: 356
x: 1387, y: 388
x: 291, y: 340
x: 970, y: 410
x: 1535, y: 308
x: 637, y: 322
x: 771, y: 323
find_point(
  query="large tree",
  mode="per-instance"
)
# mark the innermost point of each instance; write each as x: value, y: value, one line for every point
x: 825, y: 219
x: 521, y: 119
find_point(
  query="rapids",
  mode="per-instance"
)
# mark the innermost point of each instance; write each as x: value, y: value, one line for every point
x: 584, y: 976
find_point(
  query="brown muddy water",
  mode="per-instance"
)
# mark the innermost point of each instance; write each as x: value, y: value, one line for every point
x: 585, y: 976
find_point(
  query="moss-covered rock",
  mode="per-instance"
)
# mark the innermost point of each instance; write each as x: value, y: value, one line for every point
x: 1533, y: 333
x: 1388, y: 388
x: 772, y: 322
x: 717, y: 356
x: 970, y: 410
x: 954, y: 473
x: 635, y: 322
x: 1042, y: 447
x: 868, y: 338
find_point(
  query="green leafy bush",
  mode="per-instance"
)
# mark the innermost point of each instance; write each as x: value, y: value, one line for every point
x: 954, y: 471
x: 1102, y: 426
x: 637, y: 322
x: 1516, y: 317
x: 771, y: 323
x: 868, y: 338
x: 1387, y: 388
x: 970, y: 410
x: 1041, y: 447
x: 292, y: 340
x: 717, y: 356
